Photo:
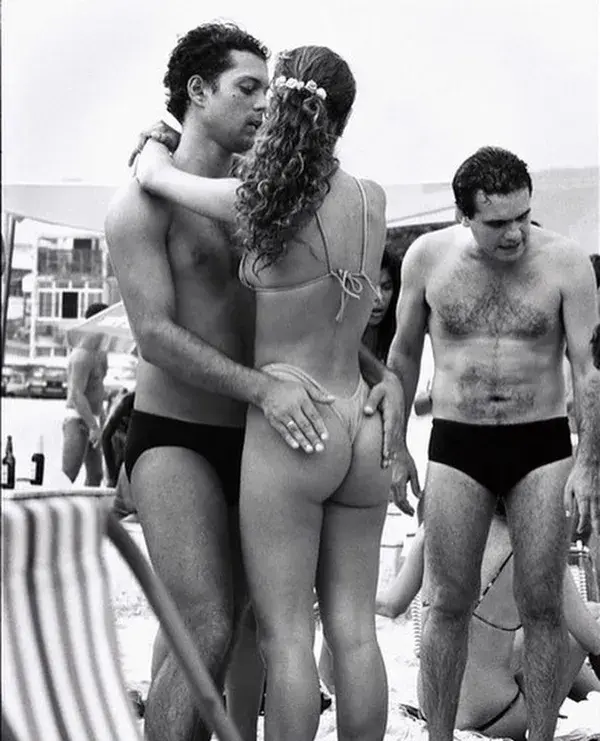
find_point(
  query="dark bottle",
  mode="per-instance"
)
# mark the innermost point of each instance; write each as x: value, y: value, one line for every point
x: 37, y: 464
x: 8, y: 466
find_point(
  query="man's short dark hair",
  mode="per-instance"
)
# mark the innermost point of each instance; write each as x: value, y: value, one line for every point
x: 595, y: 260
x: 204, y: 51
x: 494, y: 171
x: 94, y: 309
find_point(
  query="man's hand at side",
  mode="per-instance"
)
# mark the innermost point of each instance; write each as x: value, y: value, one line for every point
x: 404, y: 472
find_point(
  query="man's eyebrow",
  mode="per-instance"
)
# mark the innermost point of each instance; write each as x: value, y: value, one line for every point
x: 506, y: 221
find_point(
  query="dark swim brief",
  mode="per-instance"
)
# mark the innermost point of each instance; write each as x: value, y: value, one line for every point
x: 221, y: 447
x: 499, y: 456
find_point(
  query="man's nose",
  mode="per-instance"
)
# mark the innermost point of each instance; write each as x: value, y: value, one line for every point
x: 260, y: 104
x: 513, y: 232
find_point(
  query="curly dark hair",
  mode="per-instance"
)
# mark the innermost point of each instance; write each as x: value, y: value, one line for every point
x: 204, y: 51
x: 492, y: 170
x: 288, y: 173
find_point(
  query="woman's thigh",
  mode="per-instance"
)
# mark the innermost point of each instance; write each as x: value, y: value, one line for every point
x: 283, y: 492
x: 350, y: 540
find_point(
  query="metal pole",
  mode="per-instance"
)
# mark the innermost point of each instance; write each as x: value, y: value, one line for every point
x: 33, y: 309
x: 7, y: 260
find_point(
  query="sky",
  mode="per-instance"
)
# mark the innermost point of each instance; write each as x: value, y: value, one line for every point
x: 436, y: 79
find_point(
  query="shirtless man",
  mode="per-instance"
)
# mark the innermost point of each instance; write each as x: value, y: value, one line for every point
x: 194, y: 326
x: 82, y: 426
x: 500, y: 299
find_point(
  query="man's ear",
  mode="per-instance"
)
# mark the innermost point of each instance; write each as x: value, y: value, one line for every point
x: 196, y: 90
x: 460, y: 217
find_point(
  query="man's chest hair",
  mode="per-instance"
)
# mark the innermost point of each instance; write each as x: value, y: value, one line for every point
x: 521, y: 305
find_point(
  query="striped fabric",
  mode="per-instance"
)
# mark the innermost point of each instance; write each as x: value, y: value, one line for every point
x: 61, y: 678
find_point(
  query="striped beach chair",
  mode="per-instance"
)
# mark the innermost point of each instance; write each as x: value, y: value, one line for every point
x: 61, y: 676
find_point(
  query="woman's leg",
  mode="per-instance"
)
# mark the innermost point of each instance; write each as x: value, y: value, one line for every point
x: 347, y: 583
x: 282, y: 494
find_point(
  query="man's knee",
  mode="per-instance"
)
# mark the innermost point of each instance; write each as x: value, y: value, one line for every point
x: 454, y: 598
x: 212, y: 629
x: 539, y: 601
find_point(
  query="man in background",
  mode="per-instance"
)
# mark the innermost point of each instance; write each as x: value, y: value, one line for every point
x: 82, y: 425
x: 501, y: 300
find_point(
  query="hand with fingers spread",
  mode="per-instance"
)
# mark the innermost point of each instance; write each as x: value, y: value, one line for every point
x: 160, y: 132
x: 289, y: 408
x: 404, y: 471
x: 388, y: 396
x: 583, y: 489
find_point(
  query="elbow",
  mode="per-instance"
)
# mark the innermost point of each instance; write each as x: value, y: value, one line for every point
x: 150, y: 340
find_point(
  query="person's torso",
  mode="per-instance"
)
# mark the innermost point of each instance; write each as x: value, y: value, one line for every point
x: 212, y: 304
x: 94, y: 387
x: 306, y: 315
x: 497, y: 336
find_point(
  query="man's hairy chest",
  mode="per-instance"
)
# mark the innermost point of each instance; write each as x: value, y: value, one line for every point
x: 519, y: 305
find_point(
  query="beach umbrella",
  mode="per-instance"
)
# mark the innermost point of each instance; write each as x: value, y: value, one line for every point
x: 112, y: 324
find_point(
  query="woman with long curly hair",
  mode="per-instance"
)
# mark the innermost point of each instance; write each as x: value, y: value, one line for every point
x: 313, y: 238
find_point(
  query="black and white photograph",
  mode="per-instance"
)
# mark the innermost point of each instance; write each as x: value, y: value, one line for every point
x: 300, y: 353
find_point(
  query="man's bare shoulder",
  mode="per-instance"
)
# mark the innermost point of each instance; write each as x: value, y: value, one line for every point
x: 432, y: 247
x: 81, y: 357
x: 131, y: 206
x: 558, y: 251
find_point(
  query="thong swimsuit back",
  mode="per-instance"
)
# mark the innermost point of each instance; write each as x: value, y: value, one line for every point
x: 349, y: 410
x: 350, y: 282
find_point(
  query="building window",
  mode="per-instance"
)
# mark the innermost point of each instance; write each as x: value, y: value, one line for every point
x: 69, y: 305
x: 45, y: 304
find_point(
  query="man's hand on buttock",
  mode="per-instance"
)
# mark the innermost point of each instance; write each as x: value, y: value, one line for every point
x: 388, y: 397
x: 289, y: 408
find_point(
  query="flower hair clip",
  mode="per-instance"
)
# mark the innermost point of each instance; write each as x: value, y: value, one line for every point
x: 291, y: 83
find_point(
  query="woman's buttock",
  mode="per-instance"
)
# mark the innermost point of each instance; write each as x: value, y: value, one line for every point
x: 349, y: 469
x: 348, y: 409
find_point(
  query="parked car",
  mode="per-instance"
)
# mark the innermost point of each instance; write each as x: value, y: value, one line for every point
x: 14, y: 382
x: 48, y: 381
